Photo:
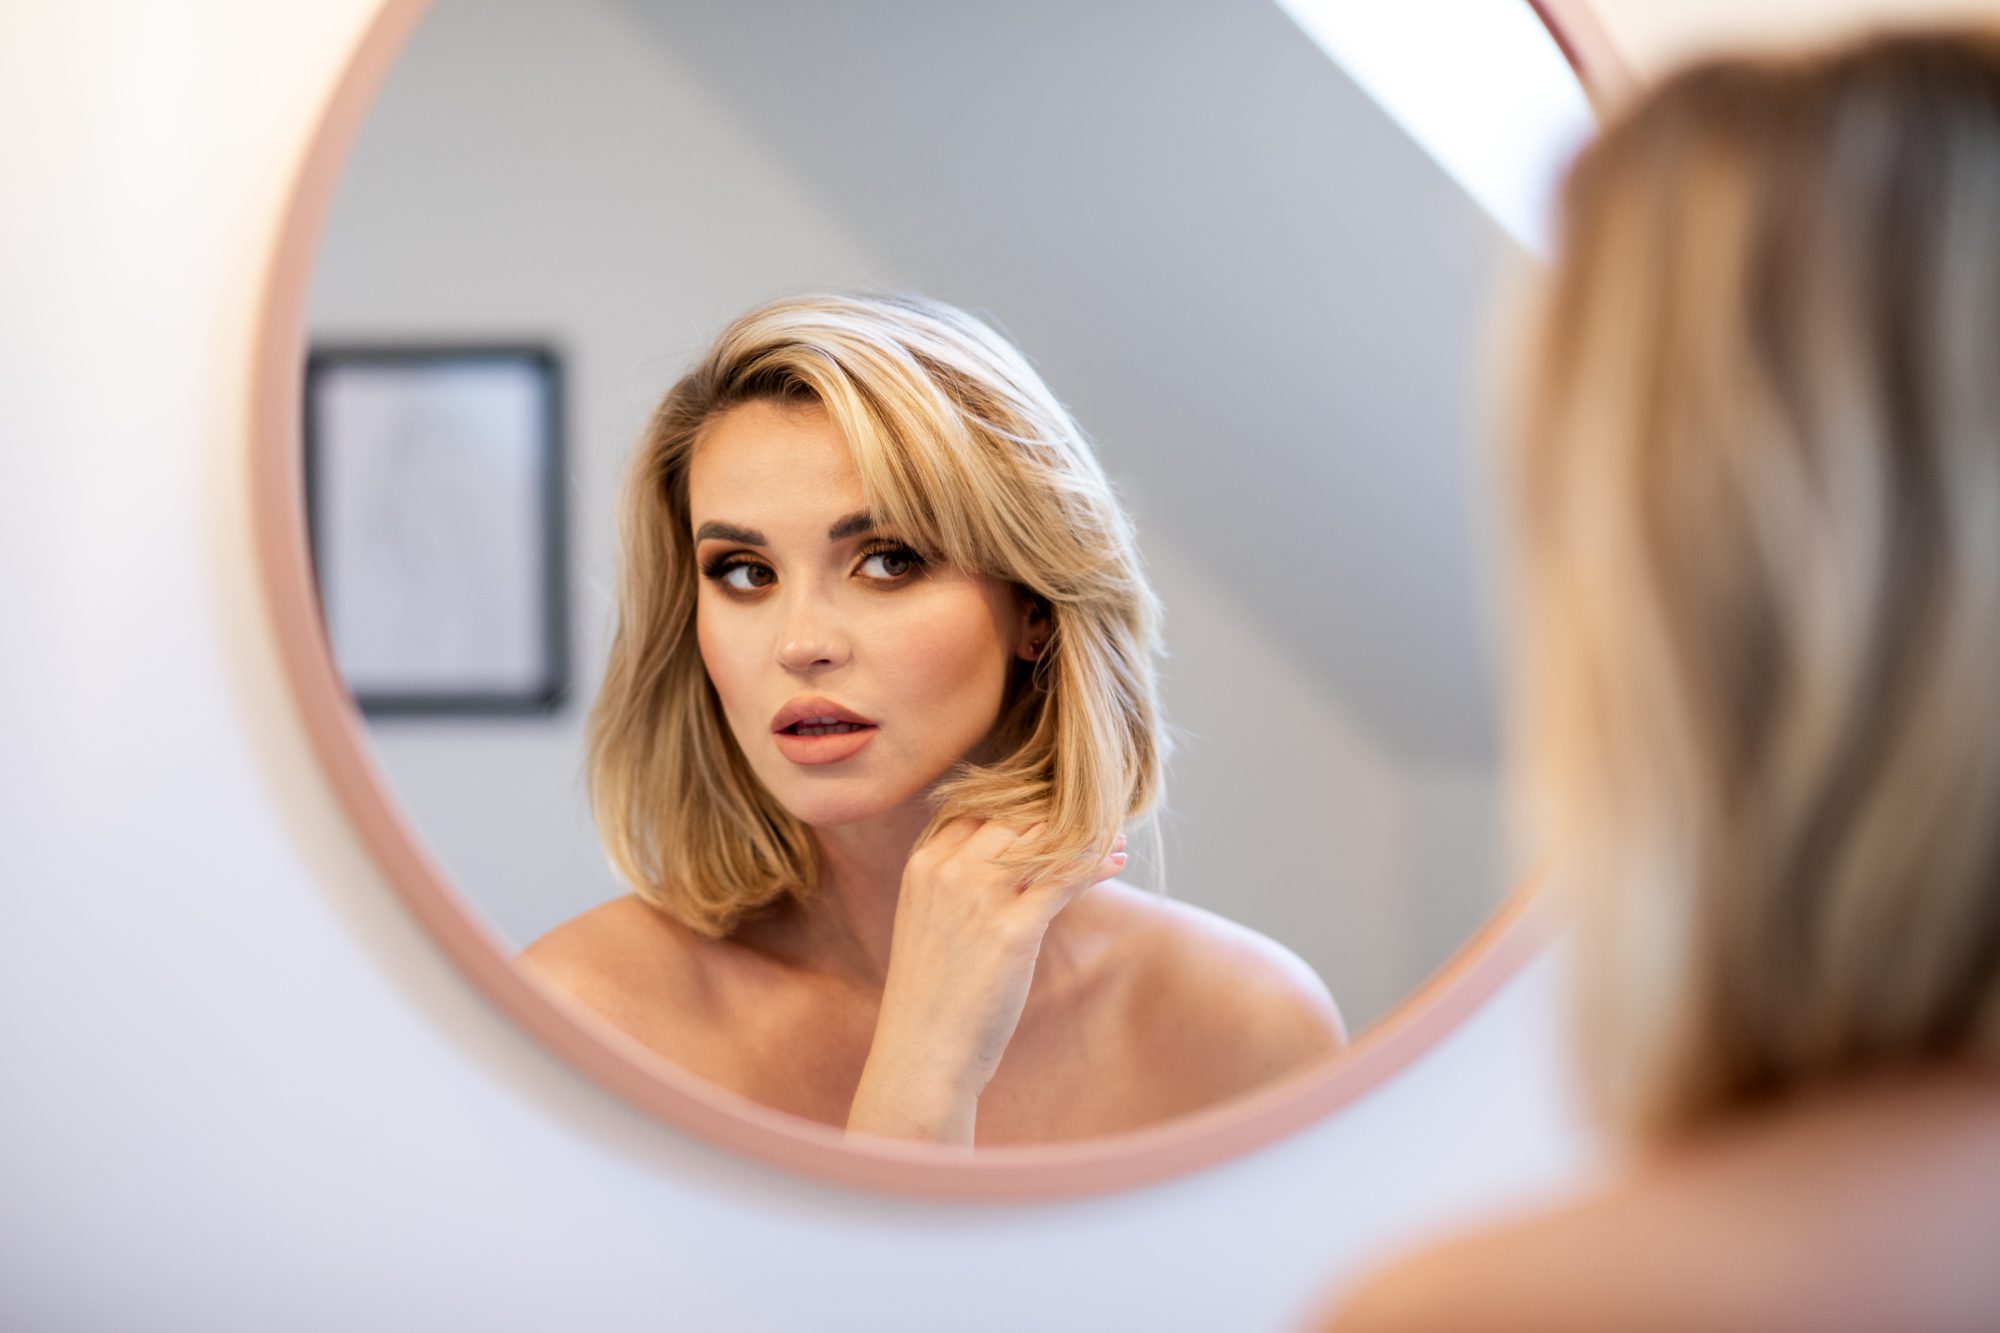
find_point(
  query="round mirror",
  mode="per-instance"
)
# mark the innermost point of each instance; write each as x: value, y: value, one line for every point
x: 1254, y: 274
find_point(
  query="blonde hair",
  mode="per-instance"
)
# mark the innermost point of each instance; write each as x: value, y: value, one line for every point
x: 1756, y: 493
x: 963, y: 452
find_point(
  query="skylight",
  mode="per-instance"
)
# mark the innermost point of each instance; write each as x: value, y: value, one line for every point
x: 1479, y: 84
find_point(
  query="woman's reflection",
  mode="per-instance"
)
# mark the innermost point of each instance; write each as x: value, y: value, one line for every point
x: 881, y: 698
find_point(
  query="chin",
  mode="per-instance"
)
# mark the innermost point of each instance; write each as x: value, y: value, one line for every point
x: 859, y: 804
x: 835, y: 814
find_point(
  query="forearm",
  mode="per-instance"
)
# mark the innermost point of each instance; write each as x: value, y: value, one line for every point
x: 904, y: 1095
x: 962, y: 960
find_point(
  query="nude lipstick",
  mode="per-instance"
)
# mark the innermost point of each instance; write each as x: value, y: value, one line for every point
x: 816, y: 730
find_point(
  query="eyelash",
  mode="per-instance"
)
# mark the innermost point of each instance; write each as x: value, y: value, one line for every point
x: 717, y: 569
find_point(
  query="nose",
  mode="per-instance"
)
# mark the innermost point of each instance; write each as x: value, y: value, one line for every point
x: 812, y: 636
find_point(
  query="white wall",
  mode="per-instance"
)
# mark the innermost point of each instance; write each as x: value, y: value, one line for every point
x: 565, y: 171
x: 243, y: 1091
x: 545, y: 172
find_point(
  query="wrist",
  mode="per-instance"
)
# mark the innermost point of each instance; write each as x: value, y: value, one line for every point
x: 911, y: 1094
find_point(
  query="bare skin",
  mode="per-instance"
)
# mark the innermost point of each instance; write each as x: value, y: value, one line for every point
x: 1874, y: 1207
x: 921, y: 993
x: 1139, y: 1010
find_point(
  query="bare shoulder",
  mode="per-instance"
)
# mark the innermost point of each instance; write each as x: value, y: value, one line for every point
x: 1626, y: 1258
x: 1543, y: 1274
x: 624, y: 959
x: 1225, y: 1007
x: 1470, y: 1282
x: 1732, y: 1232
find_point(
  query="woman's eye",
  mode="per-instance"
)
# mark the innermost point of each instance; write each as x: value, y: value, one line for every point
x: 743, y: 576
x: 890, y: 564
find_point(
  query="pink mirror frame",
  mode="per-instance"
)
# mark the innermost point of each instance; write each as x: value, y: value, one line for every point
x: 338, y: 736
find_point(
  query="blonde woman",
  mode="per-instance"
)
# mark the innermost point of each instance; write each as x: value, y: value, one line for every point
x: 880, y: 702
x: 1757, y: 501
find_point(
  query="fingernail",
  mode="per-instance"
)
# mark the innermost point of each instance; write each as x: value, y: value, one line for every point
x: 1118, y: 856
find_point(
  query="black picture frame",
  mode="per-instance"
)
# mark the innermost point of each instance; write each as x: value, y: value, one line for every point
x: 434, y: 480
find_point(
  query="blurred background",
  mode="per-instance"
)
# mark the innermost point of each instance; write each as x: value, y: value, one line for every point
x: 1260, y: 296
x: 237, y: 1062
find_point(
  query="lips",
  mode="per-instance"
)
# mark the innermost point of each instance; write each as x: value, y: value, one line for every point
x: 816, y: 731
x: 816, y: 712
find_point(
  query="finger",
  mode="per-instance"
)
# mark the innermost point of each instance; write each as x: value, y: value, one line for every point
x: 1087, y: 864
x: 1086, y: 869
x: 953, y: 835
x: 1055, y: 895
x: 1083, y: 874
x: 996, y: 838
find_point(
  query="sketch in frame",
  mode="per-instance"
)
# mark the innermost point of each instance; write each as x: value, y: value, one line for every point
x: 434, y: 494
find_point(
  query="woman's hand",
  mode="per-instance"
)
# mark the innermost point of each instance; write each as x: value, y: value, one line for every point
x: 960, y: 961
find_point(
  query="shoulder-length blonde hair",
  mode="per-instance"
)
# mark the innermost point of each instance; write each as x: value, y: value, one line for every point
x: 1756, y: 500
x: 962, y: 452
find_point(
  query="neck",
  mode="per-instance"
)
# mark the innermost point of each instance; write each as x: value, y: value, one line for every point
x: 845, y: 930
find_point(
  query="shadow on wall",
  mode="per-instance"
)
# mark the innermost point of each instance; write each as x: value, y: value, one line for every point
x: 1273, y: 356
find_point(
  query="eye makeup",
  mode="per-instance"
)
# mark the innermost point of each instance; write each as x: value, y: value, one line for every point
x: 758, y: 575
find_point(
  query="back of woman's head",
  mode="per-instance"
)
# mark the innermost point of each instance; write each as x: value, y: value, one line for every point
x: 962, y: 452
x: 1757, y: 510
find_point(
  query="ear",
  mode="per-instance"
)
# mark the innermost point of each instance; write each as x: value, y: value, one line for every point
x: 1036, y: 626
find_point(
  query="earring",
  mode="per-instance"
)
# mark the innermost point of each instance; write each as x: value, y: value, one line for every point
x: 1034, y: 647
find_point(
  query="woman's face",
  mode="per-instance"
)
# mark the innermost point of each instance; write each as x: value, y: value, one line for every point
x: 807, y: 612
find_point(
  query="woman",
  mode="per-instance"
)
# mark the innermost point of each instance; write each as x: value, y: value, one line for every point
x: 881, y: 698
x: 1758, y: 509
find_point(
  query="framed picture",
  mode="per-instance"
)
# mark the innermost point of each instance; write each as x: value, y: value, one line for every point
x: 434, y: 495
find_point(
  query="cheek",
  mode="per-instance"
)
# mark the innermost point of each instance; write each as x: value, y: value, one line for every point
x: 722, y: 655
x: 957, y: 657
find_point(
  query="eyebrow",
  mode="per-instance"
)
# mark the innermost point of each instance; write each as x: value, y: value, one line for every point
x: 729, y: 532
x: 853, y: 525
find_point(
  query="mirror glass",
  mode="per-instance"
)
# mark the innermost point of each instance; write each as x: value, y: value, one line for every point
x: 1260, y: 296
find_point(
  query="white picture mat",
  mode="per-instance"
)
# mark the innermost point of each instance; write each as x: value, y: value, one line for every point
x: 428, y: 495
